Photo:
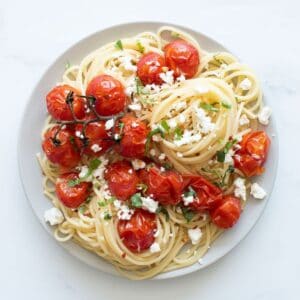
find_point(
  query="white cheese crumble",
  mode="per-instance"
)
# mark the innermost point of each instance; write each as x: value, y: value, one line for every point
x: 228, y: 157
x: 245, y: 84
x: 244, y: 120
x: 134, y: 124
x: 53, y: 216
x: 79, y: 134
x: 83, y: 172
x: 96, y: 148
x: 187, y: 199
x: 98, y: 173
x: 127, y: 63
x: 156, y: 138
x: 240, y: 188
x: 205, y: 123
x: 130, y: 171
x: 172, y: 123
x: 162, y: 156
x: 181, y: 118
x: 167, y: 77
x: 135, y: 106
x: 187, y: 138
x: 117, y: 204
x: 154, y: 248
x: 138, y: 164
x: 149, y: 204
x: 152, y: 152
x: 125, y: 213
x: 179, y: 105
x: 195, y: 235
x: 181, y: 78
x: 109, y: 124
x: 264, y: 115
x: 162, y: 169
x: 257, y: 191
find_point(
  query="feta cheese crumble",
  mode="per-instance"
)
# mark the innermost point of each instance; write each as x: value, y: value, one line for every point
x: 154, y: 248
x: 172, y: 123
x: 135, y: 106
x: 125, y: 213
x: 205, y: 123
x: 162, y: 156
x: 53, y: 216
x: 149, y: 204
x: 187, y: 199
x: 138, y: 164
x: 195, y: 235
x: 187, y: 138
x: 244, y: 120
x: 109, y: 124
x: 264, y: 115
x: 167, y: 77
x: 127, y: 63
x: 83, y: 171
x: 240, y: 188
x: 228, y: 157
x: 257, y: 191
x: 152, y: 152
x: 245, y: 84
x: 96, y: 148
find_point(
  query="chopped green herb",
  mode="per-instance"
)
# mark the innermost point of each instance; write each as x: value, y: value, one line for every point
x: 74, y: 182
x: 164, y: 211
x: 190, y: 192
x: 175, y: 34
x: 141, y: 48
x: 221, y: 156
x: 150, y: 135
x: 139, y: 86
x: 164, y: 124
x: 142, y: 186
x: 67, y: 65
x: 136, y: 200
x: 94, y: 164
x: 222, y: 153
x: 167, y: 166
x: 102, y: 203
x: 208, y: 107
x: 178, y: 133
x: 187, y: 213
x: 229, y: 170
x: 107, y: 216
x: 111, y: 199
x: 226, y: 105
x: 121, y: 125
x: 119, y: 45
x: 82, y: 209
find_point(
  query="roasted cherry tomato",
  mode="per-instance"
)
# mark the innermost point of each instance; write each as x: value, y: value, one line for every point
x: 182, y: 58
x: 61, y: 149
x: 164, y: 186
x: 109, y: 95
x: 58, y: 107
x: 137, y: 233
x: 253, y: 153
x: 98, y: 139
x: 72, y: 196
x: 228, y: 213
x: 208, y: 197
x: 133, y: 137
x: 149, y: 67
x: 121, y: 179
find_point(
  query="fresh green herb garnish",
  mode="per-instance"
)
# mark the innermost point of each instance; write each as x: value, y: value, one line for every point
x: 150, y: 135
x: 178, y: 133
x: 187, y: 213
x: 143, y: 187
x: 164, y: 124
x: 102, y: 203
x: 208, y: 107
x: 107, y: 216
x: 222, y: 153
x: 141, y: 48
x: 163, y: 210
x: 82, y: 209
x: 229, y: 170
x: 226, y: 105
x: 119, y: 45
x: 136, y: 200
x: 139, y: 86
x: 94, y: 164
x: 167, y: 166
x: 111, y: 199
x: 190, y: 192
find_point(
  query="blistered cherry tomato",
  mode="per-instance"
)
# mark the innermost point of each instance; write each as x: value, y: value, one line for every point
x: 62, y: 149
x: 122, y: 179
x: 58, y: 107
x: 149, y: 67
x: 228, y: 213
x: 164, y: 186
x: 109, y: 94
x: 253, y: 153
x: 137, y: 233
x: 98, y: 139
x: 182, y: 58
x: 72, y: 196
x: 133, y: 137
x: 208, y: 196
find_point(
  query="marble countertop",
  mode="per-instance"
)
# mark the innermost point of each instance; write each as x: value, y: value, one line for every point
x: 265, y: 34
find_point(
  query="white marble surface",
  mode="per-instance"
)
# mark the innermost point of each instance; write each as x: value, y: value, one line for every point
x: 265, y: 34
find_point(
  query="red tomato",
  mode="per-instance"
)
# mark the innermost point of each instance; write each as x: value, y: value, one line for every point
x: 98, y: 139
x: 133, y: 137
x: 122, y: 179
x: 109, y: 94
x: 63, y: 153
x: 149, y: 67
x: 228, y: 213
x: 208, y: 197
x: 253, y: 153
x: 57, y: 106
x: 72, y: 196
x: 182, y: 58
x: 165, y: 187
x: 137, y: 233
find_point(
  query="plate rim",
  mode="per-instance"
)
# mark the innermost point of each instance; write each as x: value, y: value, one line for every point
x: 170, y: 274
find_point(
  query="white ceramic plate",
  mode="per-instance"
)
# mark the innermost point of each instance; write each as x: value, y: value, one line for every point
x: 30, y: 143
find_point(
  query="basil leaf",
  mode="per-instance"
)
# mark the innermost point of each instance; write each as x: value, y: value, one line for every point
x: 164, y: 124
x: 82, y: 209
x: 102, y: 203
x: 94, y: 164
x: 107, y: 216
x: 190, y: 192
x: 187, y: 213
x: 119, y: 45
x: 208, y: 107
x: 221, y: 156
x: 141, y: 48
x: 167, y: 166
x: 178, y: 133
x: 136, y: 200
x: 150, y: 135
x: 74, y: 182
